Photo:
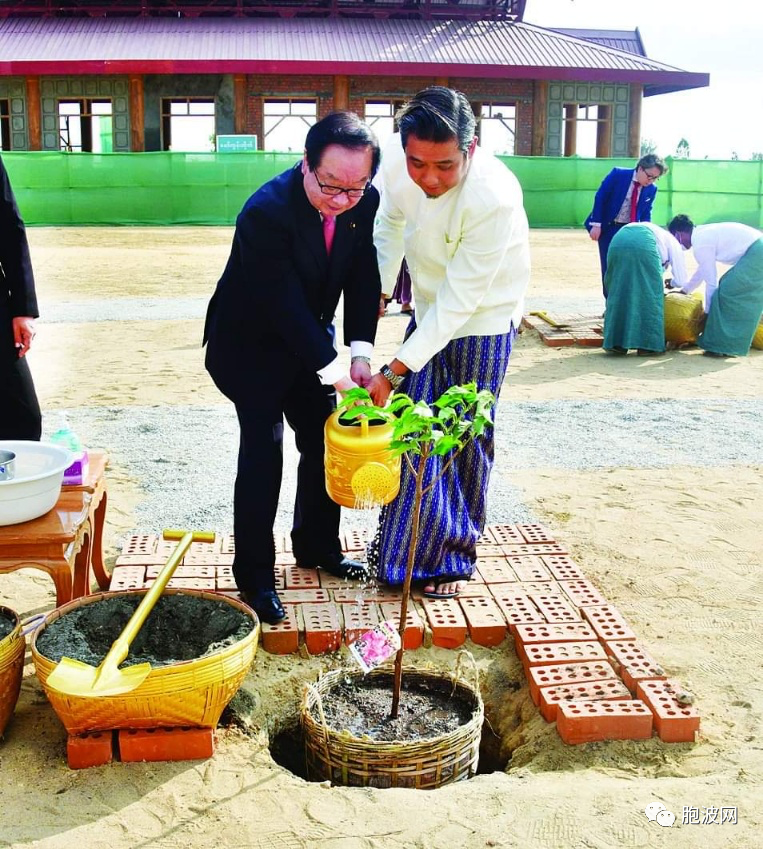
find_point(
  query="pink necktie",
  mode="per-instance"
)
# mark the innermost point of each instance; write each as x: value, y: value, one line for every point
x: 634, y: 200
x: 329, y: 228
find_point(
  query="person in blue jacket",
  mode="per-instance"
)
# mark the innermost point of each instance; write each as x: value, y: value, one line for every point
x: 615, y: 205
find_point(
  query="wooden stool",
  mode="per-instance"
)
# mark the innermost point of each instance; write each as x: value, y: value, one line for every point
x: 57, y: 543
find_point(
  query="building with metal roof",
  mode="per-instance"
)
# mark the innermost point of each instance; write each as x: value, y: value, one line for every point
x: 125, y: 76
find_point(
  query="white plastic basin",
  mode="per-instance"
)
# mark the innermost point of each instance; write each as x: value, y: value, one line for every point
x: 36, y: 487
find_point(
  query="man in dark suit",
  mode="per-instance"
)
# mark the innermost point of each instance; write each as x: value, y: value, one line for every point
x: 625, y: 195
x: 20, y: 416
x: 302, y: 240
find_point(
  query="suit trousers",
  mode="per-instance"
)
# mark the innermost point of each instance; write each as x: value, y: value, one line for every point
x: 305, y: 404
x: 605, y: 238
x: 20, y: 416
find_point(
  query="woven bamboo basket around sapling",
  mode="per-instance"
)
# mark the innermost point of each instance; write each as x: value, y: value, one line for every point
x: 344, y: 759
x: 12, y: 649
x: 186, y: 693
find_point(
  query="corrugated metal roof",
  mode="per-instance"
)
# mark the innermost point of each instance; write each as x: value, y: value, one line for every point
x: 627, y: 40
x: 300, y: 45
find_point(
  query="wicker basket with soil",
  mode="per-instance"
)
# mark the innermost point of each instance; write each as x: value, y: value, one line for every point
x: 351, y: 740
x: 200, y: 646
x: 12, y: 647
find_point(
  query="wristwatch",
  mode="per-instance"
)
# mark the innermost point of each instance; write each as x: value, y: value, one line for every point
x: 395, y: 380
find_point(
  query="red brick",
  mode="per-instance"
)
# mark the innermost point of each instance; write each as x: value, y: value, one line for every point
x: 186, y: 583
x: 518, y: 609
x: 569, y: 673
x: 505, y: 534
x: 127, y: 578
x: 535, y: 533
x: 208, y: 559
x: 414, y: 627
x: 609, y: 689
x: 551, y: 632
x: 304, y: 596
x: 555, y: 607
x: 608, y: 623
x: 283, y: 637
x: 364, y: 594
x: 563, y: 567
x: 582, y: 593
x: 486, y: 622
x: 297, y: 578
x: 530, y: 568
x: 539, y: 654
x: 446, y: 621
x: 355, y: 540
x: 675, y: 722
x: 228, y: 544
x: 528, y: 548
x: 495, y: 571
x: 561, y: 339
x: 166, y: 744
x: 225, y: 582
x: 94, y: 748
x: 586, y: 722
x: 634, y: 663
x: 323, y: 630
x: 138, y: 560
x: 184, y: 571
x: 285, y: 558
x: 475, y: 589
x: 359, y: 618
x: 523, y: 588
x: 492, y: 550
x: 140, y: 544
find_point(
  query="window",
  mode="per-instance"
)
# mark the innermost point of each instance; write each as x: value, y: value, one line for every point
x: 286, y: 123
x: 497, y: 128
x: 380, y: 116
x: 188, y: 124
x: 5, y: 124
x: 581, y: 128
x: 85, y: 125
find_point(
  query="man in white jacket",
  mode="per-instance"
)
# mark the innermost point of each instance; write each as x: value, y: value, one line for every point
x: 456, y: 214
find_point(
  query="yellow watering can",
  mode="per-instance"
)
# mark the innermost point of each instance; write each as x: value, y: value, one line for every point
x: 361, y: 470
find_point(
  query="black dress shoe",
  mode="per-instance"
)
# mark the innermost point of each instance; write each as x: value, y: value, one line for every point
x: 340, y: 567
x: 265, y: 604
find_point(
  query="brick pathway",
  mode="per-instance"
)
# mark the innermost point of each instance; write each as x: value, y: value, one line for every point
x: 561, y: 330
x: 584, y: 665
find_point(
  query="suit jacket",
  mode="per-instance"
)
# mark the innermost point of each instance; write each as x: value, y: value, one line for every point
x: 273, y: 309
x: 17, y: 292
x: 611, y: 194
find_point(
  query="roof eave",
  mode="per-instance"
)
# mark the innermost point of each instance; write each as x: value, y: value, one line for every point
x: 655, y: 82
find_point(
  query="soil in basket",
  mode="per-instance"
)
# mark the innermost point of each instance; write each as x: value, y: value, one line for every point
x: 180, y: 627
x: 362, y: 706
x: 6, y: 626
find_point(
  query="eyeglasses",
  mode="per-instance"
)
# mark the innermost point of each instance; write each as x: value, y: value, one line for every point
x: 652, y: 177
x: 335, y: 191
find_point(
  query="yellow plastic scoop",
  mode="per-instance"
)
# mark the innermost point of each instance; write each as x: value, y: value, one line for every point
x: 76, y: 678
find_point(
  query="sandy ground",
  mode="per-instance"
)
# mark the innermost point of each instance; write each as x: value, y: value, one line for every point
x: 677, y: 550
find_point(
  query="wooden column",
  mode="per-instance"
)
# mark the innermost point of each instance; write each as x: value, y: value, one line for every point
x: 634, y: 121
x: 604, y: 131
x: 570, y: 129
x: 341, y: 92
x: 34, y: 113
x: 239, y: 103
x: 540, y: 117
x: 137, y: 114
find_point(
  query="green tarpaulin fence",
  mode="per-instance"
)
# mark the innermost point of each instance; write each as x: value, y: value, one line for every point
x: 63, y: 189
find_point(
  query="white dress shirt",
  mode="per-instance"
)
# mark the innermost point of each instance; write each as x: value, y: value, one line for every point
x: 727, y: 243
x: 670, y: 250
x: 467, y: 251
